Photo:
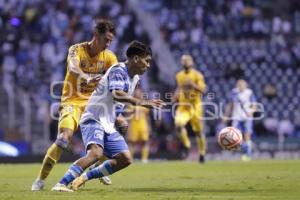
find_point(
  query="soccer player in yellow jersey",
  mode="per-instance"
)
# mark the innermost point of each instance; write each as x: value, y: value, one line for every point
x: 86, y: 63
x: 138, y: 130
x: 190, y: 87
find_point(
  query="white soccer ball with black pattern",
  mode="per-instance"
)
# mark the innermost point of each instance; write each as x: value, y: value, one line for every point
x: 230, y: 138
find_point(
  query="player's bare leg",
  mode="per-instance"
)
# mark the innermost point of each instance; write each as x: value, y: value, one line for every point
x: 111, y: 166
x: 52, y: 156
x: 105, y: 179
x: 122, y: 126
x: 94, y: 153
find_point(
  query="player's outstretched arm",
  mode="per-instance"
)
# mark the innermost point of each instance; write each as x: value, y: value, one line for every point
x: 73, y: 65
x: 199, y: 86
x: 175, y: 97
x: 123, y: 97
x: 227, y: 112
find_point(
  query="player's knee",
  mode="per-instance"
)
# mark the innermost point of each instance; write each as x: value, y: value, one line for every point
x: 178, y: 128
x: 126, y: 160
x: 62, y: 141
x: 247, y: 137
x: 200, y: 134
x: 95, y: 152
x: 64, y: 137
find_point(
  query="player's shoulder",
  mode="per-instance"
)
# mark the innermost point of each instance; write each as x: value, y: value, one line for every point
x: 198, y: 73
x: 249, y: 91
x: 119, y: 68
x: 78, y: 45
x: 75, y: 49
x: 235, y: 91
x: 180, y: 73
x: 108, y: 52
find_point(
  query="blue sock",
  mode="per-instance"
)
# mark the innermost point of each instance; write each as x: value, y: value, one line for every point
x: 244, y: 148
x: 249, y: 148
x: 73, y: 172
x: 104, y: 169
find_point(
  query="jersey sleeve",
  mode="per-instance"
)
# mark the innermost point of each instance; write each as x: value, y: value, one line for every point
x: 116, y: 79
x: 252, y: 97
x: 73, y: 58
x: 177, y: 79
x: 201, y: 82
x: 232, y: 96
x: 111, y: 60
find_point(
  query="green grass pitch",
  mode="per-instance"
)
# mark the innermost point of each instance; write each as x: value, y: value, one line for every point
x: 224, y: 180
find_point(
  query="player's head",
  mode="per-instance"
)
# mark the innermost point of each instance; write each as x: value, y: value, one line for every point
x: 187, y: 61
x: 139, y: 57
x: 241, y: 84
x: 104, y: 33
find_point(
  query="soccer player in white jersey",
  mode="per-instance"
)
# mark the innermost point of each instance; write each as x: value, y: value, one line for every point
x: 99, y: 134
x: 242, y: 107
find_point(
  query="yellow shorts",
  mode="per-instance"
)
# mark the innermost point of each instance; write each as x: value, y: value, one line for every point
x: 192, y: 115
x: 69, y: 116
x: 138, y: 132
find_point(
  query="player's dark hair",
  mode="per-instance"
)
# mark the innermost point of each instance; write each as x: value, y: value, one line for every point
x: 104, y: 25
x: 137, y: 48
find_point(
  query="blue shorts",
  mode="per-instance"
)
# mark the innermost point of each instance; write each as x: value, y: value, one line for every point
x: 245, y: 126
x: 93, y: 133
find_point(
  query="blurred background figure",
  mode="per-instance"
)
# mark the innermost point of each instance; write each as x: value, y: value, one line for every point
x: 240, y: 111
x: 188, y: 96
x: 139, y: 129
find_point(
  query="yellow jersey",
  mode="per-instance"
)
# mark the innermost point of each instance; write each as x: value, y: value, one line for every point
x: 187, y: 94
x: 76, y: 91
x: 140, y: 115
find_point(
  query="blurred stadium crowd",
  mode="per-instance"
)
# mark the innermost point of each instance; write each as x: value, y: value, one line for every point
x: 255, y: 40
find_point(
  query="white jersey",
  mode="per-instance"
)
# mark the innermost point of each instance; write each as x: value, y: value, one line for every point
x: 242, y: 101
x: 101, y: 107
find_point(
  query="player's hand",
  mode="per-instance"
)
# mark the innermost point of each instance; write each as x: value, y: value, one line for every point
x: 97, y: 78
x: 121, y: 125
x: 250, y: 113
x: 94, y: 79
x: 153, y: 103
x: 225, y: 120
x: 188, y: 84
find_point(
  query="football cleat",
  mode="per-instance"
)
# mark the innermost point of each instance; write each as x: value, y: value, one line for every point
x: 105, y: 180
x: 78, y: 182
x: 246, y: 158
x: 202, y: 159
x: 37, y: 185
x: 58, y: 187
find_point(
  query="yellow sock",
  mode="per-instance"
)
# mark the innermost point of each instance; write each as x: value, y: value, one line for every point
x: 185, y: 139
x: 201, y: 141
x: 52, y: 156
x: 145, y: 153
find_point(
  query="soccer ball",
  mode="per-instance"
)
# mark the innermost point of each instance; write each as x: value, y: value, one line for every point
x: 230, y: 138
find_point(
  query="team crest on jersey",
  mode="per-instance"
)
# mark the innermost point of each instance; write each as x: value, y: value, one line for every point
x: 83, y: 63
x: 100, y: 66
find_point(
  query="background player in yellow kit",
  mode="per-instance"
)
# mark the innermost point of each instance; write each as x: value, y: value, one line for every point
x: 190, y: 87
x: 86, y: 63
x: 139, y: 130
